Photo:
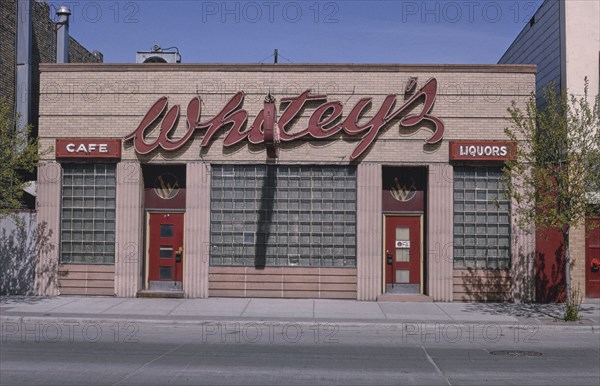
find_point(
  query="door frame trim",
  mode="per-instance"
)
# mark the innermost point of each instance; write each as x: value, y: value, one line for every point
x: 587, y: 258
x: 421, y: 258
x: 147, y: 214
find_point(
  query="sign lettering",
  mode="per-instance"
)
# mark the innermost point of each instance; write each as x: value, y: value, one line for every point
x: 320, y: 124
x: 88, y: 148
x: 481, y: 150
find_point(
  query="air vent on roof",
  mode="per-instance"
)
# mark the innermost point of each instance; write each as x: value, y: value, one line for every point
x: 158, y: 55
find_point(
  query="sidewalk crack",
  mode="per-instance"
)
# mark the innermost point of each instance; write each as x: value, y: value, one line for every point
x: 148, y: 363
x: 444, y: 311
x: 435, y: 366
x: 382, y: 311
x: 61, y: 305
x: 244, y: 310
x: 114, y: 305
x: 176, y: 307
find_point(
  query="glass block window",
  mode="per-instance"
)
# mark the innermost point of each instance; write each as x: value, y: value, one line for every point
x: 481, y: 219
x: 283, y: 216
x: 88, y: 214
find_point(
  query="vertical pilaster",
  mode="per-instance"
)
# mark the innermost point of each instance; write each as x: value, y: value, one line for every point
x: 439, y: 232
x: 129, y: 228
x: 369, y: 232
x: 522, y: 259
x: 197, y: 230
x: 48, y: 228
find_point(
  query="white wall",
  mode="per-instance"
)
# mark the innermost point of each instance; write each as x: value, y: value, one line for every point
x: 582, y: 45
x: 564, y: 42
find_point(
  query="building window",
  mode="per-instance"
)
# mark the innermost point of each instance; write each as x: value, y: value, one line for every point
x: 267, y: 215
x: 88, y: 214
x: 481, y: 219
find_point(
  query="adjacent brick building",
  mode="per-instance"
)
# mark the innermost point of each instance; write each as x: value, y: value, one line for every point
x: 563, y: 40
x: 17, y: 263
x: 43, y: 49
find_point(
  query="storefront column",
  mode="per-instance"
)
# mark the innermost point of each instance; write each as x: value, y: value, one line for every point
x: 129, y: 229
x: 197, y: 230
x: 48, y: 228
x: 369, y: 231
x: 439, y: 232
x: 522, y: 259
x: 522, y: 272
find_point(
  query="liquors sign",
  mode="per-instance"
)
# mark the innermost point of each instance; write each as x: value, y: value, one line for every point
x: 481, y: 150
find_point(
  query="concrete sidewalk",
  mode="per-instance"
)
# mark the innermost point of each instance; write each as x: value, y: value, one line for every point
x: 346, y: 312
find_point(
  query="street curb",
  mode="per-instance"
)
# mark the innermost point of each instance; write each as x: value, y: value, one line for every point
x: 386, y: 324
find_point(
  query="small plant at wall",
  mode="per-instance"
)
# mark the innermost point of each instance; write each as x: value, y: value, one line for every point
x: 555, y: 172
x: 573, y: 306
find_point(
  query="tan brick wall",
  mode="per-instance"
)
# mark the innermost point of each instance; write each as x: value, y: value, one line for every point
x: 578, y: 267
x: 111, y: 104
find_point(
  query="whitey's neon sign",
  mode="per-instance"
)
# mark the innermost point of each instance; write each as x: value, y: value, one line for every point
x: 321, y: 124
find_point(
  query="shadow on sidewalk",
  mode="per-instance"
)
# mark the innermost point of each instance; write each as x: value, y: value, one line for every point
x: 10, y: 300
x: 525, y: 310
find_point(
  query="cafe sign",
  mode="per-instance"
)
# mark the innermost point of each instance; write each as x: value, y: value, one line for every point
x: 88, y: 148
x: 325, y: 121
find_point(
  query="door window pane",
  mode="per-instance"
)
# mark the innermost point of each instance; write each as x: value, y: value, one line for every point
x: 166, y: 251
x: 165, y: 273
x: 402, y: 255
x: 402, y: 276
x: 402, y: 233
x: 166, y: 230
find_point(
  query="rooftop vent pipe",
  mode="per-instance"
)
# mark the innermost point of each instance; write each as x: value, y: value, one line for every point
x: 23, y: 65
x: 62, y: 35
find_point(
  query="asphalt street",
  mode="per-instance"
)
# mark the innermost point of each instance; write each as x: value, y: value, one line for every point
x: 289, y: 353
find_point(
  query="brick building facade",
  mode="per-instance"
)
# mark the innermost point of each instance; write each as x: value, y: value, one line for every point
x: 386, y: 184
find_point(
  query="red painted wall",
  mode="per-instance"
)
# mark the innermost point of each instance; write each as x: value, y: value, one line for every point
x: 549, y: 266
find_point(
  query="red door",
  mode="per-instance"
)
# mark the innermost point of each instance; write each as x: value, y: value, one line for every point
x: 592, y: 260
x: 166, y: 247
x: 403, y: 253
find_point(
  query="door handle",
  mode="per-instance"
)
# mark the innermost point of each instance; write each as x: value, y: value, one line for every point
x: 179, y: 255
x: 389, y: 257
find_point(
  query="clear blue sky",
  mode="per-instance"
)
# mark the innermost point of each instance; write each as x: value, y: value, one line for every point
x: 395, y: 31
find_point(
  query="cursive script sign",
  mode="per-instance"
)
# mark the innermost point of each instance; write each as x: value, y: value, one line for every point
x: 321, y: 124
